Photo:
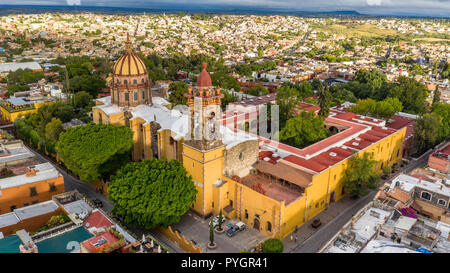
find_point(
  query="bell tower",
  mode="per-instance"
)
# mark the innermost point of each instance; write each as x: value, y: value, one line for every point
x: 203, y: 149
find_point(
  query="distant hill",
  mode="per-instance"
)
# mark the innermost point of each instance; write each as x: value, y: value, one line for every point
x: 191, y: 8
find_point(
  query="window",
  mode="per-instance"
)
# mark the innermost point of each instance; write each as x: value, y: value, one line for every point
x: 231, y: 203
x: 13, y: 208
x: 143, y: 95
x: 442, y: 202
x: 33, y: 191
x: 241, y: 156
x: 52, y: 187
x: 125, y: 82
x: 135, y: 96
x: 134, y: 81
x: 269, y: 226
x: 118, y: 81
x: 127, y: 96
x: 425, y: 195
x: 212, y: 204
x: 246, y: 214
x: 142, y: 81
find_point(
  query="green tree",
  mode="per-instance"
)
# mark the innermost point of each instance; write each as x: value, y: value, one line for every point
x: 220, y: 220
x: 151, y: 193
x: 273, y: 245
x: 53, y: 129
x: 225, y: 81
x: 316, y: 82
x: 176, y: 93
x: 95, y: 151
x: 211, y: 232
x: 443, y: 111
x: 360, y: 176
x: 287, y: 101
x: 303, y: 130
x: 82, y: 99
x: 258, y: 90
x: 411, y: 93
x: 426, y: 132
x: 89, y: 83
x: 324, y: 99
x: 436, y: 95
x: 379, y: 109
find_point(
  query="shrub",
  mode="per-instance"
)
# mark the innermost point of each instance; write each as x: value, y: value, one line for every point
x: 273, y: 245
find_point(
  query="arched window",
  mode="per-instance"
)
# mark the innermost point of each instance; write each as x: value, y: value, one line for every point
x: 134, y: 81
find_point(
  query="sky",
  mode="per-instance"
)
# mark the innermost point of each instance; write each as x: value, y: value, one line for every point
x: 372, y: 7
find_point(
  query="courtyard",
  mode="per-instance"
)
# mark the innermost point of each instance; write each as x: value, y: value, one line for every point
x: 195, y: 228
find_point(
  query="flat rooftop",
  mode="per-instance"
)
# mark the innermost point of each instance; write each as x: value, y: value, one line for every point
x: 272, y: 190
x: 43, y: 171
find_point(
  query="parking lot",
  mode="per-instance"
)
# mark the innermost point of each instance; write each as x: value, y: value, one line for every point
x: 197, y: 229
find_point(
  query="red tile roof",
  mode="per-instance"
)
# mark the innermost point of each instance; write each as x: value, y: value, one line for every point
x: 98, y: 220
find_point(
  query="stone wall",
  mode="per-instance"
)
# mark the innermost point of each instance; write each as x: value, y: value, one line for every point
x: 239, y: 159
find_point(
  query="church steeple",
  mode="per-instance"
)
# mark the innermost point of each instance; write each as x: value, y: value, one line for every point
x: 204, y: 103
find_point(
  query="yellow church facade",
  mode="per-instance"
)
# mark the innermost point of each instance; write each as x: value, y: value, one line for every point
x: 269, y: 186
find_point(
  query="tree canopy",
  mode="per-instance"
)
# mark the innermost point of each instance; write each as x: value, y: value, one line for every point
x: 273, y: 245
x: 360, y: 175
x: 151, y: 193
x: 324, y: 98
x: 176, y: 93
x: 426, y: 132
x: 287, y: 100
x: 95, y: 151
x: 258, y: 90
x: 303, y: 130
x: 384, y: 109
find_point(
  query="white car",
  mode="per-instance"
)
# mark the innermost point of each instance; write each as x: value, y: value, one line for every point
x: 216, y: 220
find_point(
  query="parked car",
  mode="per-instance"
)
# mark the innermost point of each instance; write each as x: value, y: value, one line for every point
x: 98, y: 203
x: 216, y: 220
x: 232, y: 230
x: 241, y: 225
x: 235, y: 228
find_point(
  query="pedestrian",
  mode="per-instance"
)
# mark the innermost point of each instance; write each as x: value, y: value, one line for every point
x: 291, y: 237
x: 296, y: 238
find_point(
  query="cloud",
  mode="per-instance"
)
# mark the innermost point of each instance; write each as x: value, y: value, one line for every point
x: 74, y: 2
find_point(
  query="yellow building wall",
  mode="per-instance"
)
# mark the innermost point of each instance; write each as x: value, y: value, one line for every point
x: 268, y: 209
x: 12, y: 116
x: 205, y: 167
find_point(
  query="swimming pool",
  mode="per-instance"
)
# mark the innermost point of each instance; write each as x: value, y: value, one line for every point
x: 64, y: 243
x: 10, y: 244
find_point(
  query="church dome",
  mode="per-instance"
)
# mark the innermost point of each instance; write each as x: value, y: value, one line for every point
x: 129, y: 64
x: 204, y: 80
